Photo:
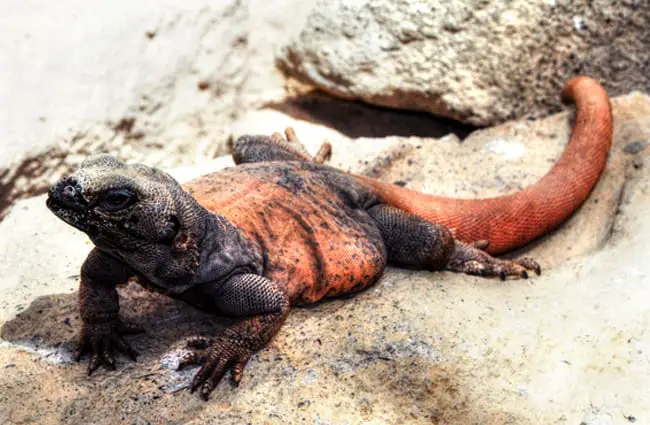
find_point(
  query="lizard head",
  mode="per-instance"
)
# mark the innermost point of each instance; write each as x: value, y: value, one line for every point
x: 122, y: 206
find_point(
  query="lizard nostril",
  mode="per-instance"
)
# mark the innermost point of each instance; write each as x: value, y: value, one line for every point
x: 70, y: 181
x: 69, y: 191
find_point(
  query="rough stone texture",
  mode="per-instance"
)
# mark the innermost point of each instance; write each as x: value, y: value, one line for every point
x: 568, y: 347
x: 480, y: 62
x: 154, y: 80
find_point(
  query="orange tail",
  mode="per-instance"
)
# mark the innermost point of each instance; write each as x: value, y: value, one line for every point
x: 511, y: 221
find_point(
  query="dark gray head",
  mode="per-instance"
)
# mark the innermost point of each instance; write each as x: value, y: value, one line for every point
x: 121, y: 206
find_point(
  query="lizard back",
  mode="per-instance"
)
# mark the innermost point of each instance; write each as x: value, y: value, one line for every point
x: 307, y: 221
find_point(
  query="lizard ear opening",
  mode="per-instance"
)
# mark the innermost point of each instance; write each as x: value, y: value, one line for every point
x: 169, y: 232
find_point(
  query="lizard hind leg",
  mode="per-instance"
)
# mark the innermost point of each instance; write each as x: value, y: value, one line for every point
x: 410, y: 241
x: 413, y: 242
x: 248, y: 149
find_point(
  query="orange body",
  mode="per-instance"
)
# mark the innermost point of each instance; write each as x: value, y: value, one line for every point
x: 311, y: 240
x: 309, y: 221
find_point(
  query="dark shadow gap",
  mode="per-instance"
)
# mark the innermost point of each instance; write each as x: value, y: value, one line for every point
x: 357, y: 119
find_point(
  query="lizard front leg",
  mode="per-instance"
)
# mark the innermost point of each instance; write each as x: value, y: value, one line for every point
x: 266, y: 307
x: 247, y: 149
x: 102, y: 329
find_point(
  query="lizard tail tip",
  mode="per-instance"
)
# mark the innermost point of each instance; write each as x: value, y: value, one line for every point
x: 576, y: 85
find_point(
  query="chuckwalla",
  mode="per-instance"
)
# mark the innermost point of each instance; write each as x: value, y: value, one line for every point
x: 283, y: 229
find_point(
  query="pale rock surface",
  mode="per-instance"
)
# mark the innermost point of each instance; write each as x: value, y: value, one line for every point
x: 146, y: 80
x: 569, y: 347
x: 480, y: 62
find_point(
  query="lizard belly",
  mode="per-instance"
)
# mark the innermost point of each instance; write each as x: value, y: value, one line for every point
x: 310, y: 239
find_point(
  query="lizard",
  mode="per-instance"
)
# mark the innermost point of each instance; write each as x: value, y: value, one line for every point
x: 282, y: 229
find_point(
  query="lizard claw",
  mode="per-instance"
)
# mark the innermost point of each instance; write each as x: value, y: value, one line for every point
x: 530, y: 264
x: 216, y: 356
x: 238, y: 371
x: 93, y: 365
x: 199, y: 342
x: 469, y: 259
x: 101, y: 340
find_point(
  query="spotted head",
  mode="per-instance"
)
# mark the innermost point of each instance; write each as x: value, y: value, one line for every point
x: 122, y: 206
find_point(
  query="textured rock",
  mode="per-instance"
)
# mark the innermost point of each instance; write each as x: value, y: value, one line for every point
x: 146, y: 80
x: 480, y: 62
x: 570, y: 346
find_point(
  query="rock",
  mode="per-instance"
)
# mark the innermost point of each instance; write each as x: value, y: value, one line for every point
x: 38, y: 259
x: 569, y: 346
x: 474, y: 61
x: 142, y: 80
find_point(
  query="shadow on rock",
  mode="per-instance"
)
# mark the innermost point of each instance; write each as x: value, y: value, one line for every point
x: 51, y: 322
x: 411, y: 389
x: 401, y: 379
x: 356, y: 119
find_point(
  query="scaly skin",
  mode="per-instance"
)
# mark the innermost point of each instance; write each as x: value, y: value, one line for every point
x: 282, y: 229
x: 516, y: 219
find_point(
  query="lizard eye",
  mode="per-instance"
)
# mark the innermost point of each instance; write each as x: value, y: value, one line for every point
x: 116, y: 200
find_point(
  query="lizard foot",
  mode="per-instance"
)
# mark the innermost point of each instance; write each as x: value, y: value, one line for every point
x: 216, y: 356
x: 470, y: 259
x: 101, y: 339
x: 324, y: 152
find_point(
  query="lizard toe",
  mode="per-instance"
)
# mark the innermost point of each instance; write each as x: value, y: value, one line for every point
x: 502, y: 274
x: 95, y: 361
x: 530, y: 264
x: 108, y: 360
x: 80, y: 350
x: 192, y: 358
x: 238, y: 371
x: 213, y: 380
x: 222, y: 354
x: 471, y: 259
x: 202, y: 375
x: 101, y: 340
x: 508, y: 269
x: 199, y: 342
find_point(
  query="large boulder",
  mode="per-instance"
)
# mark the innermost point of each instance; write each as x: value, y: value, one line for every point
x: 570, y: 346
x: 480, y: 62
x: 144, y: 80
